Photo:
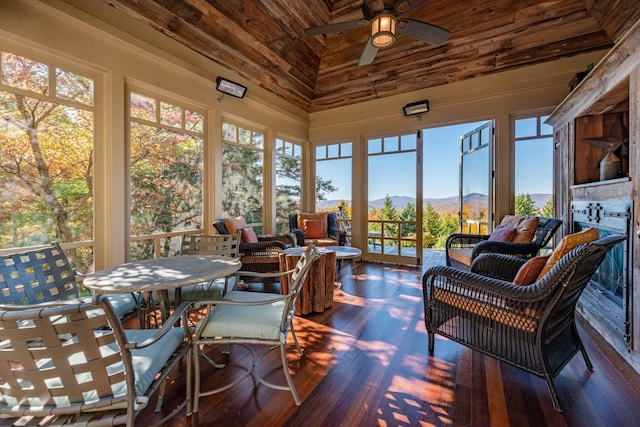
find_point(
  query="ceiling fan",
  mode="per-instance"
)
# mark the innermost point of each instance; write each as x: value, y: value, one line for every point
x: 384, y: 18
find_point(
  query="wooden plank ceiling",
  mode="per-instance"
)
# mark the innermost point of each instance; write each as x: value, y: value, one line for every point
x: 264, y: 41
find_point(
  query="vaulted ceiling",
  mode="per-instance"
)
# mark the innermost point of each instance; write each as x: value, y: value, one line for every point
x: 264, y: 41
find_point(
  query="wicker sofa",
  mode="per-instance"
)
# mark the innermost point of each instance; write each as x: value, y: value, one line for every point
x: 462, y: 249
x: 530, y: 327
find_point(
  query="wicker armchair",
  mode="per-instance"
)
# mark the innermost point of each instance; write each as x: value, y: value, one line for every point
x: 260, y: 257
x: 336, y: 236
x: 530, y: 327
x: 462, y: 249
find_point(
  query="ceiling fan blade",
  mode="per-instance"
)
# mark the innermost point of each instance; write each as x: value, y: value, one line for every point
x: 368, y: 53
x: 422, y: 31
x: 335, y: 28
x: 403, y: 6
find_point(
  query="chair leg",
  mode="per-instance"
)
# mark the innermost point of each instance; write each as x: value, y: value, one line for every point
x: 554, y: 393
x: 295, y: 340
x: 285, y: 368
x: 431, y: 341
x: 196, y: 373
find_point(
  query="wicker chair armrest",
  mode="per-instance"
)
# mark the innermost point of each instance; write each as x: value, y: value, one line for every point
x: 287, y: 239
x: 261, y: 247
x: 178, y: 315
x: 488, y: 290
x: 299, y: 236
x: 338, y: 234
x: 461, y: 240
x: 498, y: 266
x: 522, y: 250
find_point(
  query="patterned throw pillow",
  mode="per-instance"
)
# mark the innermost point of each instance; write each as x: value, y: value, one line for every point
x: 314, y: 229
x: 526, y: 227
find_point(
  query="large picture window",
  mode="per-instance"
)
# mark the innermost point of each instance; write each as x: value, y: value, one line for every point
x: 242, y: 173
x: 166, y: 143
x: 288, y: 180
x: 46, y: 155
x: 333, y: 181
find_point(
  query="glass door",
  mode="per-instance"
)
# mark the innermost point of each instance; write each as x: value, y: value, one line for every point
x: 392, y: 228
x: 476, y: 189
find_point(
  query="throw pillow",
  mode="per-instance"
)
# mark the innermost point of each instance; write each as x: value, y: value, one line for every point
x: 234, y: 225
x: 314, y: 215
x: 528, y: 273
x: 568, y: 243
x: 502, y: 233
x: 248, y: 235
x: 526, y: 230
x: 314, y: 229
x: 512, y: 220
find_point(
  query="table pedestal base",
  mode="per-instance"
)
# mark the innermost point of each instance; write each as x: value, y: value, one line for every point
x: 316, y: 293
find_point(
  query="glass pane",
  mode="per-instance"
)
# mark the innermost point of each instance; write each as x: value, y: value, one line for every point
x: 46, y: 174
x: 475, y: 140
x: 229, y: 132
x: 334, y: 151
x: 408, y: 142
x: 288, y: 186
x: 345, y: 149
x: 391, y: 144
x: 170, y: 115
x: 24, y: 73
x: 526, y: 127
x: 545, y: 129
x: 166, y: 180
x: 288, y: 149
x: 279, y: 145
x: 534, y: 176
x: 74, y: 87
x: 297, y: 151
x: 475, y: 191
x: 242, y: 180
x: 485, y: 135
x: 321, y: 152
x: 244, y: 136
x: 258, y: 140
x: 194, y: 122
x: 142, y: 107
x: 375, y: 146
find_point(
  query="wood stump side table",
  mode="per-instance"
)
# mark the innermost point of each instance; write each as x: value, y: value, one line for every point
x: 316, y: 292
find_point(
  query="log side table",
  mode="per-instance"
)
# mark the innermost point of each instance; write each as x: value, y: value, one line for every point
x: 316, y: 293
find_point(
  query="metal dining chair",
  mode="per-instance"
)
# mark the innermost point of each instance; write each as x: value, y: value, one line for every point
x: 244, y: 318
x: 71, y: 362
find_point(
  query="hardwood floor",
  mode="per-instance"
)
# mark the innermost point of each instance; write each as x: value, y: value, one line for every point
x: 366, y: 363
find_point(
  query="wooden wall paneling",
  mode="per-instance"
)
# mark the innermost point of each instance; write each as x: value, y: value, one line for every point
x: 634, y: 174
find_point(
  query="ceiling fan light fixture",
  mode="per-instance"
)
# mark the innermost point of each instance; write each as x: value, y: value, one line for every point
x: 383, y: 30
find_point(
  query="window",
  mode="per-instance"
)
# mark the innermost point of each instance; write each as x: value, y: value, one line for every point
x: 166, y: 144
x: 288, y: 180
x: 333, y: 181
x: 242, y: 173
x: 533, y: 142
x: 46, y: 155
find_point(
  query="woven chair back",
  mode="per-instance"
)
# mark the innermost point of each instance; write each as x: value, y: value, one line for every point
x: 36, y: 276
x: 211, y: 244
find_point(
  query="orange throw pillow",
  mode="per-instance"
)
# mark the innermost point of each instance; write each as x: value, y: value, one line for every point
x: 248, y: 235
x: 526, y: 226
x: 314, y: 215
x: 234, y: 225
x: 568, y: 243
x: 530, y: 270
x: 314, y: 229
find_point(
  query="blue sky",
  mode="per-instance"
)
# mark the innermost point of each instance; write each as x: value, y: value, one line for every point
x: 394, y: 174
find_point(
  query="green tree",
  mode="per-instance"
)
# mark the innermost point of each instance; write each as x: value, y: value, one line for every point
x: 448, y: 225
x: 431, y: 225
x: 547, y: 209
x: 408, y: 214
x: 524, y: 205
x: 389, y: 212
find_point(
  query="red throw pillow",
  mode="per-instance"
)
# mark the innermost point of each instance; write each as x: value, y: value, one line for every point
x: 503, y: 233
x: 248, y: 235
x: 530, y: 270
x: 314, y: 229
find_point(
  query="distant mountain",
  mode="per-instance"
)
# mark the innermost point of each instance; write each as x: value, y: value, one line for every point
x: 448, y: 204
